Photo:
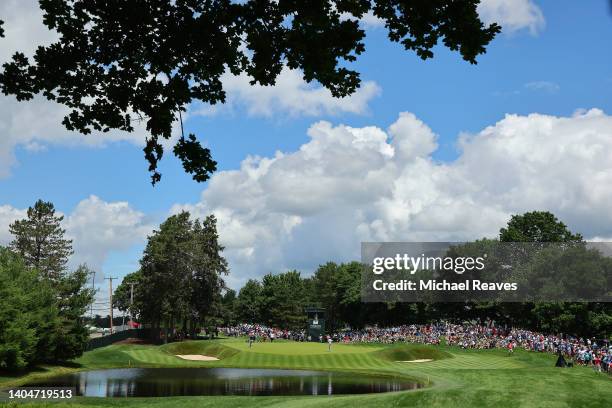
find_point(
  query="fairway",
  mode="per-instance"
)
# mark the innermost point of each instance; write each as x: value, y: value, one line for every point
x: 458, y: 378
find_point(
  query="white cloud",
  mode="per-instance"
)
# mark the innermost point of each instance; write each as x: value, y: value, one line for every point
x: 513, y: 15
x: 37, y: 123
x: 96, y: 227
x: 347, y: 185
x: 367, y: 22
x: 24, y: 29
x: 8, y: 215
x: 291, y: 96
x: 543, y: 86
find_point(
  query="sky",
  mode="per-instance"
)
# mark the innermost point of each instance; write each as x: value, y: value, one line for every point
x: 436, y: 150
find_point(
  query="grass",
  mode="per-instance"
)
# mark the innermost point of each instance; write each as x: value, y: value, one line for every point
x: 415, y: 352
x: 456, y: 378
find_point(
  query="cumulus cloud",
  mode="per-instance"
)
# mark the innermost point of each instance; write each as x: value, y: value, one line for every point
x: 96, y: 227
x: 367, y: 22
x: 8, y: 215
x: 37, y: 123
x: 24, y: 29
x: 290, y: 96
x: 347, y: 185
x: 513, y: 15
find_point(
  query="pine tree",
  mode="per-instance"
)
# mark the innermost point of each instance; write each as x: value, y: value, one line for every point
x: 39, y: 239
x: 73, y: 300
x: 27, y: 314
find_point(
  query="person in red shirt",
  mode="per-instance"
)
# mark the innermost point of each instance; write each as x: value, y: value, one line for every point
x: 597, y: 363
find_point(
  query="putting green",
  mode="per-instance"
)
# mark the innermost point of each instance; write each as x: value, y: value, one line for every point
x: 456, y: 378
x: 305, y: 348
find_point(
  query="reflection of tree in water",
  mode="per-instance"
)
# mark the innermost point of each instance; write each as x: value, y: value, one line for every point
x: 162, y: 382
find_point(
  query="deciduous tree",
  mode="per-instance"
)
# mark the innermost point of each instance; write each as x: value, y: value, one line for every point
x: 181, y: 273
x: 119, y: 62
x: 249, y: 302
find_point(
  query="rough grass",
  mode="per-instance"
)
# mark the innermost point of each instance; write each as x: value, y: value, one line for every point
x: 457, y: 378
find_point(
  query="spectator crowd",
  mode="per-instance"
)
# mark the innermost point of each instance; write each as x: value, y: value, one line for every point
x: 263, y: 333
x: 473, y: 335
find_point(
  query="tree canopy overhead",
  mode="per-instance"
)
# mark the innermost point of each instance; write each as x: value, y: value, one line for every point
x: 117, y: 62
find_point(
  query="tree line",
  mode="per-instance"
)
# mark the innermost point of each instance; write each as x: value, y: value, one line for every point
x: 42, y: 302
x: 180, y: 285
x: 279, y: 300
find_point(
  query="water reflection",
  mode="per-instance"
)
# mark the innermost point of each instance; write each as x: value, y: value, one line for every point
x: 161, y: 382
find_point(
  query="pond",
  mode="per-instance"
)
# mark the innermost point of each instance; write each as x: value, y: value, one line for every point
x: 167, y: 382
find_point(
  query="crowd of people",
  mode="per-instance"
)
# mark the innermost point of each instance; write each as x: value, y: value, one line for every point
x: 263, y: 333
x: 487, y: 336
x: 475, y: 335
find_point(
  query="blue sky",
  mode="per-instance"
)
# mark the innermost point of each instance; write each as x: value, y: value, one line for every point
x: 553, y: 67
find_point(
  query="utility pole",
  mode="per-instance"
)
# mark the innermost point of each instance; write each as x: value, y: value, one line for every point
x: 131, y: 303
x: 110, y: 294
x: 93, y: 288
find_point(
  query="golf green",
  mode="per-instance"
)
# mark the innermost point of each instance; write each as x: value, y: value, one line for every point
x: 454, y: 377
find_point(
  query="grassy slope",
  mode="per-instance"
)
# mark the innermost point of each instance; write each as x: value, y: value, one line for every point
x: 415, y: 352
x: 458, y: 378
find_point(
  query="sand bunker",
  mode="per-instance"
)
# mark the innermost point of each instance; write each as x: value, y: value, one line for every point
x: 422, y: 360
x: 196, y: 357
